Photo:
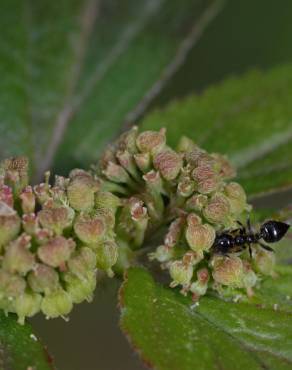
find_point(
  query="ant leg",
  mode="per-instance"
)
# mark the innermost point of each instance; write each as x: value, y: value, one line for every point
x: 250, y: 251
x: 266, y: 247
x: 249, y: 225
x: 242, y: 227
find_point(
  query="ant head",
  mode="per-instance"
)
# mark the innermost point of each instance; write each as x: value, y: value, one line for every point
x: 273, y: 231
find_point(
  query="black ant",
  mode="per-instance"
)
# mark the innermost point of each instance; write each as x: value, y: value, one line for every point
x: 270, y: 232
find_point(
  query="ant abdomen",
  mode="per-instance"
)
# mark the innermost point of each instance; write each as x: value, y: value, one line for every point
x: 273, y: 231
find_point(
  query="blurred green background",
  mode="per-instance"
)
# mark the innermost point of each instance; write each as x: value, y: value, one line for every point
x: 245, y: 34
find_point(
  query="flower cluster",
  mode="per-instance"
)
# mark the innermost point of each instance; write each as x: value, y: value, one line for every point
x: 53, y: 238
x: 191, y: 193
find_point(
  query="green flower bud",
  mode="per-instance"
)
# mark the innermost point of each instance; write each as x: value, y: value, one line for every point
x: 200, y: 286
x: 228, y: 271
x: 127, y: 161
x: 217, y: 210
x: 196, y: 202
x: 143, y: 161
x: 56, y: 251
x: 43, y: 279
x: 116, y: 173
x: 56, y: 219
x: 249, y: 278
x: 185, y: 144
x: 42, y: 192
x: 17, y: 257
x: 192, y: 257
x: 9, y: 224
x: 225, y: 168
x: 82, y: 262
x: 105, y: 199
x: 186, y: 187
x: 27, y: 198
x: 58, y: 303
x: 151, y: 141
x: 27, y: 305
x: 162, y: 254
x: 168, y: 163
x: 30, y: 223
x: 6, y: 195
x: 154, y: 182
x: 237, y: 198
x: 180, y: 273
x: 107, y: 255
x: 264, y: 262
x: 80, y: 289
x: 11, y: 285
x: 90, y: 229
x: 200, y: 237
x: 81, y: 192
x: 127, y: 140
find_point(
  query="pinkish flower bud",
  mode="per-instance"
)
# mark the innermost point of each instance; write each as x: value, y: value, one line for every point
x: 11, y: 285
x: 225, y: 168
x: 237, y: 198
x: 56, y: 219
x: 168, y: 163
x: 107, y: 255
x: 193, y: 219
x: 42, y: 236
x: 58, y: 303
x: 199, y: 287
x: 9, y: 224
x: 206, y: 178
x: 185, y: 187
x: 90, y: 229
x: 127, y: 140
x: 127, y: 161
x: 81, y: 191
x: 217, y: 210
x: 43, y: 279
x: 154, y: 182
x: 228, y: 270
x: 151, y: 141
x: 200, y: 237
x: 56, y: 251
x: 192, y: 257
x: 16, y: 173
x: 30, y: 223
x: 42, y: 192
x: 196, y: 202
x: 180, y: 273
x: 82, y: 262
x: 27, y: 305
x: 80, y: 289
x: 17, y: 257
x: 174, y: 232
x: 27, y: 200
x: 6, y: 195
x: 143, y: 161
x: 116, y: 173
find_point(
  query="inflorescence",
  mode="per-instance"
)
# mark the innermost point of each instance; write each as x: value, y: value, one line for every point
x: 55, y: 238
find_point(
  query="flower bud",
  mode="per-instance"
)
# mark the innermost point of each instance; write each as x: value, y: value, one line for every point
x: 249, y: 277
x: 30, y: 223
x: 56, y: 219
x: 80, y: 289
x: 42, y: 192
x: 180, y: 273
x: 43, y: 279
x: 107, y: 255
x: 56, y: 251
x: 228, y: 271
x: 82, y: 262
x: 127, y: 161
x: 225, y: 168
x: 185, y: 144
x: 264, y: 262
x: 200, y: 237
x: 17, y: 257
x: 192, y: 257
x: 6, y: 195
x: 11, y: 285
x: 154, y: 182
x: 127, y: 140
x: 206, y: 178
x: 27, y: 305
x: 151, y: 141
x: 162, y: 254
x: 9, y: 224
x: 143, y: 161
x: 105, y: 199
x: 27, y: 200
x: 80, y: 192
x: 217, y: 210
x: 193, y: 219
x: 174, y: 232
x: 196, y: 202
x: 90, y: 229
x: 58, y: 303
x: 42, y: 236
x: 199, y: 287
x: 168, y: 163
x: 237, y: 198
x: 16, y: 173
x: 116, y: 173
x: 186, y: 187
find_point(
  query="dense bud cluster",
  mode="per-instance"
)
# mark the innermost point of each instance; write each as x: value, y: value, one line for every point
x: 191, y: 193
x: 55, y: 237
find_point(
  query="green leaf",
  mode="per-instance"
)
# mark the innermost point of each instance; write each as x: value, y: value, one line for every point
x: 247, y: 118
x: 170, y: 332
x: 19, y: 348
x: 71, y: 71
